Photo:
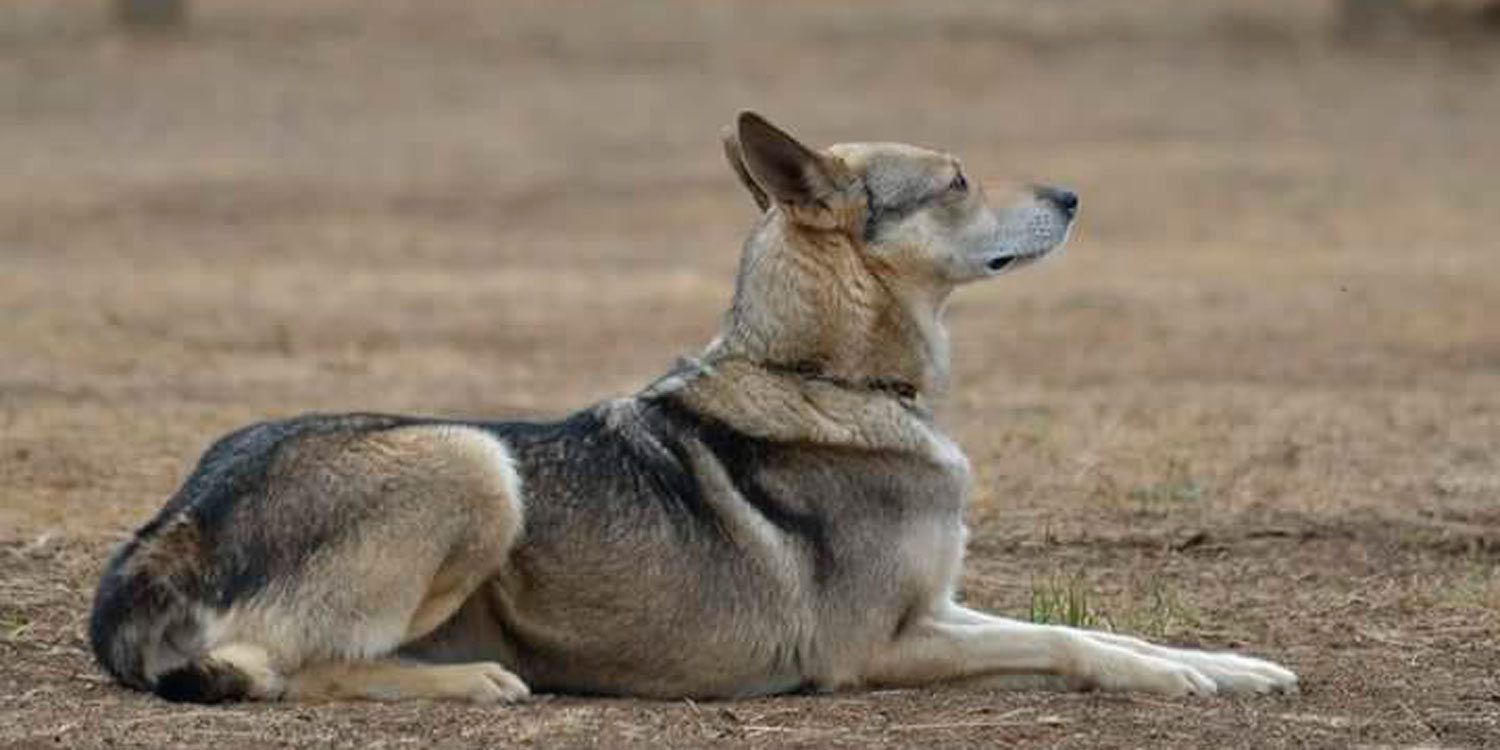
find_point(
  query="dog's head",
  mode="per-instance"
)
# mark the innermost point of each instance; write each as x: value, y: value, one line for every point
x: 908, y: 209
x: 858, y: 248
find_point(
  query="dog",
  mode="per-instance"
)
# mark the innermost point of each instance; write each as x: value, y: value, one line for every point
x: 779, y: 513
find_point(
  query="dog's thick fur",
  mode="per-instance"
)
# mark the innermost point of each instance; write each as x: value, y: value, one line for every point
x: 780, y: 513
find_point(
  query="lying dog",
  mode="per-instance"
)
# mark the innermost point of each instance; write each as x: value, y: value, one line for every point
x: 781, y: 513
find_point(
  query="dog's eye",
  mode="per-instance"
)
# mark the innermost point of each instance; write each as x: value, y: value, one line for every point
x: 959, y: 184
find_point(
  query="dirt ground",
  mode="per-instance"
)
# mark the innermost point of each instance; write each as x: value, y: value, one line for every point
x: 1256, y: 405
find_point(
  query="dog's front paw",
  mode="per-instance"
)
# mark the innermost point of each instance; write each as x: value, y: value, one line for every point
x: 1173, y: 680
x: 1108, y: 667
x: 1230, y: 673
x: 1235, y: 674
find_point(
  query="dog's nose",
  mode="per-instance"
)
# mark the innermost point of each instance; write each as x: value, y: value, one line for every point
x: 1065, y: 199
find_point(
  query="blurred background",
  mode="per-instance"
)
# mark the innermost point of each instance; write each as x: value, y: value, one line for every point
x: 218, y: 209
x: 1256, y: 401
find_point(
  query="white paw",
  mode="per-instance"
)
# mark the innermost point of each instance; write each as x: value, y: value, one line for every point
x: 1179, y: 680
x: 1113, y: 668
x: 1230, y: 673
x: 1172, y: 679
x: 1237, y: 674
x: 486, y: 682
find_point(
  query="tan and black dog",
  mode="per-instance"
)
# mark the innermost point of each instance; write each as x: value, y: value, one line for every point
x: 781, y: 513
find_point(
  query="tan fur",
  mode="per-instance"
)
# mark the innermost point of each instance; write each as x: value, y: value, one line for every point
x: 255, y: 662
x: 389, y: 680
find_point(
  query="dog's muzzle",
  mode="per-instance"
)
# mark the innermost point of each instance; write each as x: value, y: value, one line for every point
x: 1066, y: 200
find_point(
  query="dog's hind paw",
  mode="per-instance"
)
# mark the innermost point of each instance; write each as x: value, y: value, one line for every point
x: 488, y: 683
x: 477, y: 682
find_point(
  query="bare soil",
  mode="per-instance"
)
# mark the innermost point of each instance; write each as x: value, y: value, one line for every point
x: 1256, y: 405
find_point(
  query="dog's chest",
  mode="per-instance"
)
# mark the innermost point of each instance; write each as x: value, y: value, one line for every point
x: 912, y: 557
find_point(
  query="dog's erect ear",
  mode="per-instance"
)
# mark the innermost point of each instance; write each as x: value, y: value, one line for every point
x: 809, y: 184
x: 736, y: 157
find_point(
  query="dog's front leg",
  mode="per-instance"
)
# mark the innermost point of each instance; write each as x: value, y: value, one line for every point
x: 1232, y: 673
x: 956, y: 643
x: 953, y: 643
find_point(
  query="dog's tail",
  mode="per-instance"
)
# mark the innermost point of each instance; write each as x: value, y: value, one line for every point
x: 145, y: 627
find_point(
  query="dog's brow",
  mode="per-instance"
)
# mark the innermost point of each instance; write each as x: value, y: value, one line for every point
x: 879, y: 213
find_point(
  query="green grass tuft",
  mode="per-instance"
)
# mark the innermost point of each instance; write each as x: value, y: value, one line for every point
x: 1152, y: 609
x: 1063, y: 600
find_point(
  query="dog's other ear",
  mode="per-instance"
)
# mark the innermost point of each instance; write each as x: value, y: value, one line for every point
x: 810, y: 185
x: 736, y: 157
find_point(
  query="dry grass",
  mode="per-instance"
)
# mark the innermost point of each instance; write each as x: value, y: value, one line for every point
x: 1256, y: 404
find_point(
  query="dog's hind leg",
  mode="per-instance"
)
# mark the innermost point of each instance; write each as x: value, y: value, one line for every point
x: 433, y: 512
